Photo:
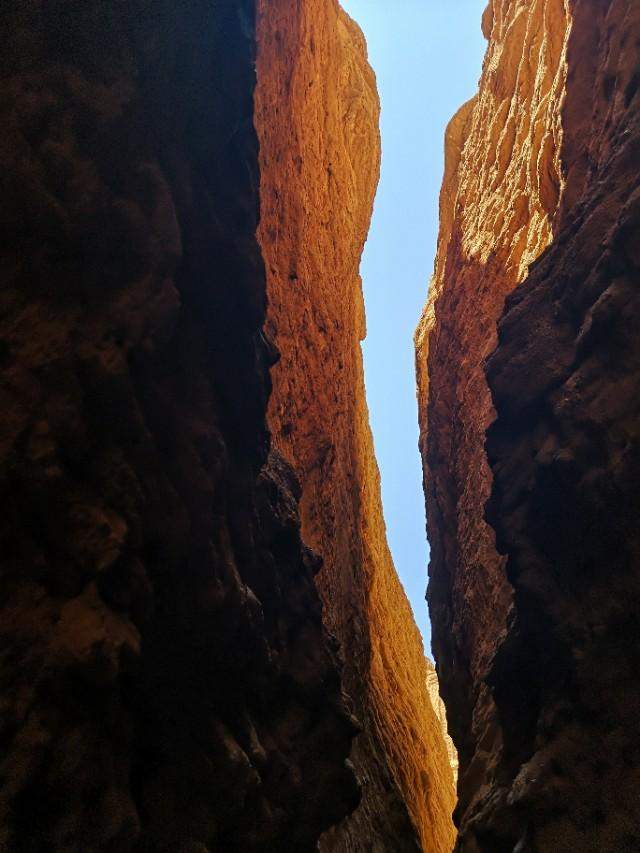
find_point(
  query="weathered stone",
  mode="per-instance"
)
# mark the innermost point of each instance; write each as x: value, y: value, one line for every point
x: 433, y: 687
x: 496, y: 212
x: 317, y: 119
x: 166, y: 680
x: 534, y: 636
x: 565, y: 453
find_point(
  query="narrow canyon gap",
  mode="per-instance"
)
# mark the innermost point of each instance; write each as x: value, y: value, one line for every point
x: 428, y: 42
x: 169, y: 680
x: 204, y: 645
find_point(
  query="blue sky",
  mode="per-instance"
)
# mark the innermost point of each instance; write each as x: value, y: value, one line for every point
x: 427, y: 55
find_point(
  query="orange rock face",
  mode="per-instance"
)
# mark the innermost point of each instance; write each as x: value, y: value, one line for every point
x: 500, y: 193
x: 433, y: 686
x: 539, y: 198
x: 317, y: 120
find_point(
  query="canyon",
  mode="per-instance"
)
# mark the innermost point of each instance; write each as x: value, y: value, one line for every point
x: 205, y: 644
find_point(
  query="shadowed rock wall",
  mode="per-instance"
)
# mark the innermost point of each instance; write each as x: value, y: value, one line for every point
x: 565, y: 452
x: 166, y: 680
x: 535, y: 636
x: 317, y: 119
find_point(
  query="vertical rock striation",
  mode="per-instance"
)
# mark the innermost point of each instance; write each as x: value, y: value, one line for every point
x: 534, y: 607
x: 317, y: 119
x: 166, y: 681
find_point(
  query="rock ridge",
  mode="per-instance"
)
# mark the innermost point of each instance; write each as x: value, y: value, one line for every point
x: 499, y: 197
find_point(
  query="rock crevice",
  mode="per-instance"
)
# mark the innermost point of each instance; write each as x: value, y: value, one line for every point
x: 170, y: 675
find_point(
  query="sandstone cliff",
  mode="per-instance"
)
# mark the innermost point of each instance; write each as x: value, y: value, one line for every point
x: 499, y: 196
x: 565, y: 452
x: 317, y: 119
x: 534, y: 637
x: 166, y: 681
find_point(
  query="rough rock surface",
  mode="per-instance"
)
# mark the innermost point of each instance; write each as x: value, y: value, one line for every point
x: 565, y: 452
x: 433, y: 687
x: 535, y: 639
x: 317, y: 119
x: 500, y: 193
x: 166, y: 681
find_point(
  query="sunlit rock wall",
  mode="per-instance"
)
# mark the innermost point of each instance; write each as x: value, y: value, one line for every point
x: 317, y: 119
x: 534, y: 637
x: 433, y: 686
x: 166, y: 683
x: 500, y: 193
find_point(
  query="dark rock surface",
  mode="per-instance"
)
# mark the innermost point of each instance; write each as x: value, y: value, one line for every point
x: 166, y: 682
x: 499, y: 197
x: 531, y: 332
x: 565, y: 453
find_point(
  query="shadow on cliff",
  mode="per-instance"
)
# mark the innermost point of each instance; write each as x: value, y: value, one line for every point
x: 565, y: 453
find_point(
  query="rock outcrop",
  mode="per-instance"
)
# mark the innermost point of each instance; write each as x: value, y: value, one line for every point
x: 534, y: 606
x: 433, y: 688
x: 317, y: 119
x: 166, y: 680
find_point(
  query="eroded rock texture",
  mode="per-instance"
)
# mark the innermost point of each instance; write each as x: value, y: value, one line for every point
x: 433, y: 688
x: 317, y: 119
x: 499, y: 196
x: 535, y: 637
x: 166, y: 681
x: 565, y: 451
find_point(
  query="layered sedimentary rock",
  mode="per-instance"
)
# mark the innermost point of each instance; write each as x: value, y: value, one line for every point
x: 534, y: 607
x: 317, y: 119
x: 166, y: 680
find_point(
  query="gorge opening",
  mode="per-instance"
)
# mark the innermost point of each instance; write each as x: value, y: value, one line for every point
x: 205, y: 646
x: 410, y: 53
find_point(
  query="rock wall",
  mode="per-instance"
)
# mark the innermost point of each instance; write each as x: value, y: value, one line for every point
x: 499, y: 196
x: 433, y: 687
x: 532, y: 606
x: 565, y: 452
x: 317, y: 119
x: 166, y: 681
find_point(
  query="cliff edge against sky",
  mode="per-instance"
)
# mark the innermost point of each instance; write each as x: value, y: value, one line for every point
x: 317, y: 119
x: 533, y: 576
